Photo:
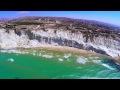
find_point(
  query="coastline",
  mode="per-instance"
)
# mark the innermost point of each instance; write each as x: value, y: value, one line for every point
x: 74, y: 51
x: 68, y: 49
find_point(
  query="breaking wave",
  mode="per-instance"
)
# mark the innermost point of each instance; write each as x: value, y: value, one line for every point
x: 107, y: 66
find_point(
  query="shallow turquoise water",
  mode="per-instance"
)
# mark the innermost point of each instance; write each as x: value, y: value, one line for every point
x: 43, y: 64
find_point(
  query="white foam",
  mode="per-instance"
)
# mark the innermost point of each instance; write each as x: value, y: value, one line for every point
x: 13, y: 51
x: 11, y: 60
x: 60, y: 59
x: 97, y: 61
x: 82, y: 60
x: 39, y: 54
x: 91, y: 57
x: 107, y: 66
x: 96, y: 57
x: 3, y: 51
x: 47, y: 56
x: 67, y: 55
x: 34, y: 53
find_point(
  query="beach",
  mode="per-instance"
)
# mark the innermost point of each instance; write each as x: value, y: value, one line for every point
x: 74, y: 50
x: 68, y: 49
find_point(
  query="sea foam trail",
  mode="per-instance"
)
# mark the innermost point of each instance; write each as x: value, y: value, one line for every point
x: 107, y: 66
x: 26, y: 52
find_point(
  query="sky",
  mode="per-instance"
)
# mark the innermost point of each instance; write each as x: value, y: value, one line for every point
x: 112, y: 17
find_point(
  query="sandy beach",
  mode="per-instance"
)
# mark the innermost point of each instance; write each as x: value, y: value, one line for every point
x: 68, y: 49
x: 74, y: 50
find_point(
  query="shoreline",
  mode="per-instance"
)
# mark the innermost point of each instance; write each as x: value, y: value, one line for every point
x: 70, y: 50
x: 74, y: 51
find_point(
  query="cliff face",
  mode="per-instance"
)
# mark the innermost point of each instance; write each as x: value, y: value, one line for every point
x: 31, y: 38
x: 60, y: 31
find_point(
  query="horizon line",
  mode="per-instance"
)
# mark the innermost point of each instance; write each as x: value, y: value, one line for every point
x: 61, y: 17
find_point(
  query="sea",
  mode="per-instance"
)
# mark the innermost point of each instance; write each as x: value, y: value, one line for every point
x: 48, y: 64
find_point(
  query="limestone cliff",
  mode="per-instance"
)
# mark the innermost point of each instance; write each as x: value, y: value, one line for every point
x: 61, y: 32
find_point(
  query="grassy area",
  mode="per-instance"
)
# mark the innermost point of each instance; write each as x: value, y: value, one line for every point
x: 27, y: 23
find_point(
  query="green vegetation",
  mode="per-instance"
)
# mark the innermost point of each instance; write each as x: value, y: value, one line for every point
x: 27, y: 23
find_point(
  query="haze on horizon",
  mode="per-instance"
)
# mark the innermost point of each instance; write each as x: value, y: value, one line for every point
x: 112, y: 17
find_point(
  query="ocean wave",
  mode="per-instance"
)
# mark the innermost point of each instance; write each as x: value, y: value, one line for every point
x: 107, y: 66
x: 27, y: 52
x: 103, y: 64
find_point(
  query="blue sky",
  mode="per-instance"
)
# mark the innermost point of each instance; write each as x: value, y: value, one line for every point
x: 112, y: 17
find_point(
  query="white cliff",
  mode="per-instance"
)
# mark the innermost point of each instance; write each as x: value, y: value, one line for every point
x: 61, y: 37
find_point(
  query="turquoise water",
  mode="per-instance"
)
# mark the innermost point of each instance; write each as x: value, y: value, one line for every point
x: 44, y: 64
